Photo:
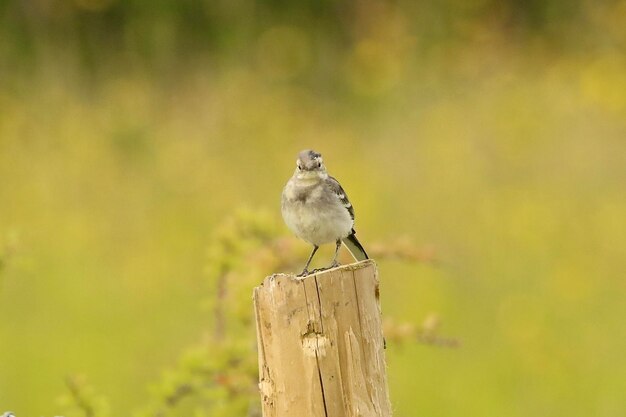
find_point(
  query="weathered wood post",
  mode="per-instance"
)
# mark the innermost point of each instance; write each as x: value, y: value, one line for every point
x: 321, y: 348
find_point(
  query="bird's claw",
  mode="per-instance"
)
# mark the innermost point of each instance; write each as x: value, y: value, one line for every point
x: 306, y: 272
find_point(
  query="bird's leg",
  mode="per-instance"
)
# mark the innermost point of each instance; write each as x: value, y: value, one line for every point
x: 305, y: 271
x: 335, y: 263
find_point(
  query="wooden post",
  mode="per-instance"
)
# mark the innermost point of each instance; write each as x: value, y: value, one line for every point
x: 321, y: 348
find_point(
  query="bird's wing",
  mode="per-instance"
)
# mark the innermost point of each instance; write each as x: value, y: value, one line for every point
x: 336, y: 188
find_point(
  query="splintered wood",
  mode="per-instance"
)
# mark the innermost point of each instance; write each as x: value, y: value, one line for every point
x: 321, y: 348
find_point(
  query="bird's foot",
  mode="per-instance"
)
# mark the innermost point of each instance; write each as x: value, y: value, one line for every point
x: 306, y: 272
x: 333, y: 265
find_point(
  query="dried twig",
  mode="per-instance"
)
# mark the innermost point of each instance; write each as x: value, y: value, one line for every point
x: 76, y: 387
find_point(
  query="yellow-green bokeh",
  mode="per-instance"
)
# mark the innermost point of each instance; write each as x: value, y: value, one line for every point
x: 499, y: 143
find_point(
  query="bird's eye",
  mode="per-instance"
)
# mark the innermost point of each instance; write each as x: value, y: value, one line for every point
x: 319, y: 164
x: 299, y: 168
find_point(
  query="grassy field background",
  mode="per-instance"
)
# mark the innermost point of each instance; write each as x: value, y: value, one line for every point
x: 491, y: 135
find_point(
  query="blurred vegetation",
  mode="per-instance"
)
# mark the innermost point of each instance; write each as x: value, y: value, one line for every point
x: 491, y: 133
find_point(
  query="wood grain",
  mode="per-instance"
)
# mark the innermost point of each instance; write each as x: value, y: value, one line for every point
x: 320, y: 344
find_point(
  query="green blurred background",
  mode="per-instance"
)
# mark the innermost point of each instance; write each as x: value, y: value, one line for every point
x: 492, y: 133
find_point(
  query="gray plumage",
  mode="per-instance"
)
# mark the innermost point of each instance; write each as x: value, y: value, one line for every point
x: 316, y: 208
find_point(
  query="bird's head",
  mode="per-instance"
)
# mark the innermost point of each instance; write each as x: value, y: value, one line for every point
x: 310, y: 165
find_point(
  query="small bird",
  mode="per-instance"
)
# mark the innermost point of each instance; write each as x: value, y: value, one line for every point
x: 317, y: 210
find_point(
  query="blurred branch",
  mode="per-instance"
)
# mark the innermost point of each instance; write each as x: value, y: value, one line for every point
x: 236, y: 235
x: 83, y: 397
x: 179, y: 393
x: 218, y: 310
x: 76, y: 388
x: 403, y: 249
x: 212, y: 375
x: 427, y: 333
x: 219, y: 374
x: 8, y: 248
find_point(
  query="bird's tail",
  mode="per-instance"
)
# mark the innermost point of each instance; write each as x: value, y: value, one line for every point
x: 355, y: 247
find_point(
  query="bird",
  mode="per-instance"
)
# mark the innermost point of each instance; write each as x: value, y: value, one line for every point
x: 316, y: 209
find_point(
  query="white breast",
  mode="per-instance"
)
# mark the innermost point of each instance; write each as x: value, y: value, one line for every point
x: 318, y: 219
